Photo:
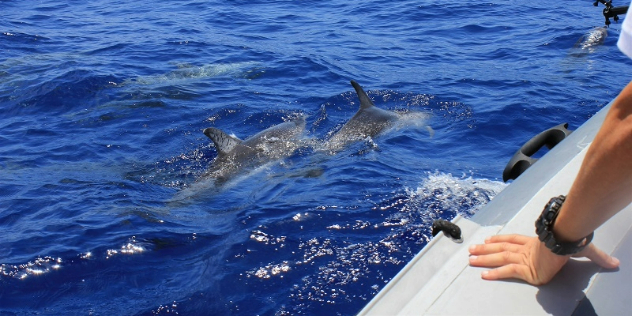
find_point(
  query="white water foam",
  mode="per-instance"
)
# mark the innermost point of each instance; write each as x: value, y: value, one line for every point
x: 465, y: 194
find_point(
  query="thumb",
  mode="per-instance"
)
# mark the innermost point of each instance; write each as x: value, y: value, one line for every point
x: 599, y: 257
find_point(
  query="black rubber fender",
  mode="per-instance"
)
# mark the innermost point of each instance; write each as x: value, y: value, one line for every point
x: 522, y: 160
x: 451, y: 230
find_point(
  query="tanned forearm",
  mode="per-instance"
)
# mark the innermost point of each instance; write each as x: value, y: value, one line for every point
x: 604, y: 184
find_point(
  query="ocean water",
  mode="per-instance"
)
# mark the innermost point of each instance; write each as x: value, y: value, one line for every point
x: 103, y: 104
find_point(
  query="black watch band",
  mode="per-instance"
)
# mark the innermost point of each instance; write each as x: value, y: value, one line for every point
x: 544, y: 230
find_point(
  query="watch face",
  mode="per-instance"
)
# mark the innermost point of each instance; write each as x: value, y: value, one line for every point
x: 552, y: 210
x: 543, y: 225
x: 549, y: 216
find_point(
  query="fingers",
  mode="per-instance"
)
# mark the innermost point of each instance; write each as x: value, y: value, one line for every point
x: 498, y: 251
x: 511, y: 271
x: 497, y: 259
x: 599, y: 257
x: 513, y: 239
x: 490, y: 248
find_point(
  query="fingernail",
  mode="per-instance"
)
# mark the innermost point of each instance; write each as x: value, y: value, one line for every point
x: 488, y: 239
x: 615, y: 261
x: 473, y: 258
x: 472, y: 248
x: 484, y: 273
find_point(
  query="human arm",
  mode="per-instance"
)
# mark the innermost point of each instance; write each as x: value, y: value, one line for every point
x: 604, y: 183
x: 603, y: 187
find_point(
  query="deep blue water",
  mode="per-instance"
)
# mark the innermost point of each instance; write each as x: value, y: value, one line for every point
x: 102, y: 110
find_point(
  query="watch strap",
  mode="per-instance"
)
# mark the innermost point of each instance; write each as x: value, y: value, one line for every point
x: 565, y: 248
x: 544, y: 230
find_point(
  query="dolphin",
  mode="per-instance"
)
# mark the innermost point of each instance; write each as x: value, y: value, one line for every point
x: 589, y: 42
x: 186, y: 72
x: 369, y: 121
x: 235, y: 155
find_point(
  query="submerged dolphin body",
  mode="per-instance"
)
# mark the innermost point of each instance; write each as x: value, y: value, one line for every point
x: 235, y: 155
x: 186, y: 72
x: 589, y: 42
x: 369, y: 121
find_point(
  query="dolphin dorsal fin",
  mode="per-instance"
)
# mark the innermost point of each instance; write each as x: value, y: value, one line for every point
x: 365, y: 101
x: 223, y: 142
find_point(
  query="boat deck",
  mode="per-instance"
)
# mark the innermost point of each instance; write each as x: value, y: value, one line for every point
x: 440, y: 281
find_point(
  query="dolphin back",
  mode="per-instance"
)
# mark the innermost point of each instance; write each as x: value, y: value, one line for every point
x: 365, y: 101
x: 223, y: 142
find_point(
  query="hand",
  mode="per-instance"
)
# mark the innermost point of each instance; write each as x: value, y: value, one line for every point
x: 526, y: 258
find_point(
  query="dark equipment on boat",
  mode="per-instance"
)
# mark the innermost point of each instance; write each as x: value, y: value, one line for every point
x: 522, y: 160
x: 610, y: 11
x: 449, y: 229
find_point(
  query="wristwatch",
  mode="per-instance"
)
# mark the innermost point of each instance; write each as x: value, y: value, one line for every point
x: 544, y: 230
